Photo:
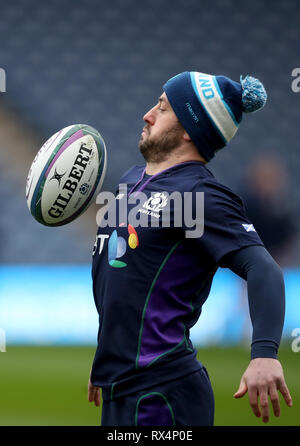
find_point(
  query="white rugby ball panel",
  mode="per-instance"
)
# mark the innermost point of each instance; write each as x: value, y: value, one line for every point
x: 39, y: 162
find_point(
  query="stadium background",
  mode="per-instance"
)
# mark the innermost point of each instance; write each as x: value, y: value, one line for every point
x: 104, y: 63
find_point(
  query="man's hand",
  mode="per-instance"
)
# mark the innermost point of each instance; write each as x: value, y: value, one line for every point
x: 263, y: 378
x: 93, y: 393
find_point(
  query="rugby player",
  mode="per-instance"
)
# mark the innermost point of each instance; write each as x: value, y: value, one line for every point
x: 150, y: 282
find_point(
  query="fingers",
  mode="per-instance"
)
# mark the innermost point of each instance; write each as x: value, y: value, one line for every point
x: 91, y: 393
x: 285, y: 393
x: 253, y: 400
x: 253, y: 394
x: 264, y: 404
x: 97, y: 397
x: 262, y: 380
x: 241, y: 390
x: 274, y: 397
x: 274, y: 400
x: 259, y: 400
x: 94, y: 394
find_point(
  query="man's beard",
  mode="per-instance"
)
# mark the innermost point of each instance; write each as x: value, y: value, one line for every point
x: 157, y: 150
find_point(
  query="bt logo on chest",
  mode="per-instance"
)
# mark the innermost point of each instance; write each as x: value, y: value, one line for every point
x: 117, y: 245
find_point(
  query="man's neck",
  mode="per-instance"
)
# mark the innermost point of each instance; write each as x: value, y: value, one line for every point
x: 154, y: 168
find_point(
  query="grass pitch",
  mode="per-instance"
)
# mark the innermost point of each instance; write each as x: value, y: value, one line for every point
x: 47, y: 386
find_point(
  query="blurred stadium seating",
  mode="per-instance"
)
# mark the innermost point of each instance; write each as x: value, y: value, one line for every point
x: 104, y: 63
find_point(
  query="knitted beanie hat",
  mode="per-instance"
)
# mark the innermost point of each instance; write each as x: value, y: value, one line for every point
x: 210, y: 108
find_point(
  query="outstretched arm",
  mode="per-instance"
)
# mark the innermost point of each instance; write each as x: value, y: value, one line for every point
x: 264, y: 375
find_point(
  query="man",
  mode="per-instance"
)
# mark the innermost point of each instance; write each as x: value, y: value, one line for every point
x: 150, y: 282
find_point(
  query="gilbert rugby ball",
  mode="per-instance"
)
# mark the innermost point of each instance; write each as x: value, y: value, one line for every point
x: 66, y: 174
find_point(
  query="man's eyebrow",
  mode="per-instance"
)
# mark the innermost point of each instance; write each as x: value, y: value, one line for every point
x: 162, y: 99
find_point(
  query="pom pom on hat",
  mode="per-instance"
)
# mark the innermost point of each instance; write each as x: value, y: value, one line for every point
x: 254, y: 95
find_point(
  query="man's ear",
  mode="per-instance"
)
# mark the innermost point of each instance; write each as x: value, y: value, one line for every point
x: 186, y: 136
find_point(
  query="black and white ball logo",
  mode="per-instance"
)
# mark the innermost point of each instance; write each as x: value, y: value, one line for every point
x: 84, y: 188
x: 57, y: 176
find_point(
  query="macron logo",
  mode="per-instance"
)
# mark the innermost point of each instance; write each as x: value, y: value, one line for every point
x: 193, y: 114
x: 249, y: 228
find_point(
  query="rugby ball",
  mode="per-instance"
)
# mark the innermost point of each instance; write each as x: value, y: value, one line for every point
x: 66, y: 174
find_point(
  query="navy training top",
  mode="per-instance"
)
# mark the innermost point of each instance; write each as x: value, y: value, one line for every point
x: 150, y: 280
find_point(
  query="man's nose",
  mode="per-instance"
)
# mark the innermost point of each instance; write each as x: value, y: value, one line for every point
x: 149, y: 117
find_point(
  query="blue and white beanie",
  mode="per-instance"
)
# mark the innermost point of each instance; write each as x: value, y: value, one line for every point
x: 210, y: 108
